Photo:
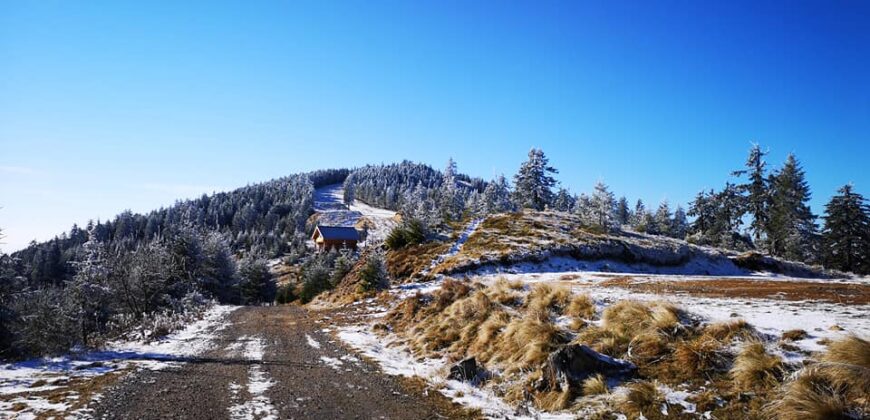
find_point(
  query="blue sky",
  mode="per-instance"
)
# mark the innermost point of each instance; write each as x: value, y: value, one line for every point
x: 112, y: 105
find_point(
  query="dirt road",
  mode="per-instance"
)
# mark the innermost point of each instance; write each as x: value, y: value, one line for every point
x: 272, y: 363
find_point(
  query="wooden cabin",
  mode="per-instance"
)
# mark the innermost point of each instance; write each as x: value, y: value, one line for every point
x: 334, y: 237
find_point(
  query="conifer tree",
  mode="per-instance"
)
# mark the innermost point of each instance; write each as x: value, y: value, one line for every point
x: 496, y: 196
x: 663, y: 219
x: 533, y: 184
x: 792, y: 230
x: 602, y: 206
x: 623, y: 212
x: 846, y: 235
x: 757, y: 193
x: 563, y: 202
x: 680, y: 225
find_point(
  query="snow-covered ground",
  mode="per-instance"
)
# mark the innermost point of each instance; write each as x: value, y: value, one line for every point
x: 21, y: 380
x: 329, y: 203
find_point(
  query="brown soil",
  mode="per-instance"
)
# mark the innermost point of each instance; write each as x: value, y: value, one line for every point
x: 843, y: 293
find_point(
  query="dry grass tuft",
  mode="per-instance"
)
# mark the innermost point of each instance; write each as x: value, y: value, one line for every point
x: 642, y: 399
x: 506, y: 292
x: 626, y: 318
x: 755, y: 369
x: 727, y: 331
x: 595, y: 385
x: 547, y: 298
x: 527, y: 342
x: 851, y: 350
x: 581, y: 306
x: 554, y: 400
x: 824, y: 391
x: 700, y: 356
x: 794, y: 335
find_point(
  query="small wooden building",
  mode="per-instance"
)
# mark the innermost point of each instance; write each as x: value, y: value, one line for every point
x: 334, y: 237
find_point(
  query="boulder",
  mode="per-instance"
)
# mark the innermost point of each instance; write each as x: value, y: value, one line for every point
x: 467, y: 371
x: 570, y: 365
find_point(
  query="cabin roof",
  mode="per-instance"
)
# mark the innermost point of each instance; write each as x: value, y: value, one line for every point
x: 338, y: 233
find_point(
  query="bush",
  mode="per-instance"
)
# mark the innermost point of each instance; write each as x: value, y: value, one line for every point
x: 316, y: 281
x: 286, y: 293
x: 411, y: 233
x: 373, y: 276
x: 257, y: 285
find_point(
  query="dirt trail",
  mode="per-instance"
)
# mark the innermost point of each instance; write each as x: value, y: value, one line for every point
x: 270, y: 363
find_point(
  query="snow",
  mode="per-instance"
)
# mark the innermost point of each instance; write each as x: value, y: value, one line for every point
x: 332, y: 362
x: 259, y: 406
x: 312, y: 342
x: 20, y: 377
x: 329, y: 203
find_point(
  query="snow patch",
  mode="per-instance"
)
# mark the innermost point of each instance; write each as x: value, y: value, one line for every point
x: 312, y: 342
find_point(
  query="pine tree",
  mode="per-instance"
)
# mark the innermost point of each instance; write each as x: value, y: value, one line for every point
x: 496, y: 196
x: 792, y: 230
x: 680, y: 225
x: 663, y: 219
x: 757, y: 193
x: 88, y: 289
x: 533, y: 183
x: 623, y: 212
x: 602, y: 206
x: 638, y: 214
x: 452, y: 202
x: 564, y: 202
x: 846, y: 235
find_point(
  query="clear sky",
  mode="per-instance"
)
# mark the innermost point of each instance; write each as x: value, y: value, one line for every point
x: 132, y: 104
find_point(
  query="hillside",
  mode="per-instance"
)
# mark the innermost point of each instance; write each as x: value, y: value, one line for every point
x: 557, y: 241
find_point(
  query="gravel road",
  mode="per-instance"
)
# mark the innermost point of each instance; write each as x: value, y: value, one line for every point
x: 273, y: 363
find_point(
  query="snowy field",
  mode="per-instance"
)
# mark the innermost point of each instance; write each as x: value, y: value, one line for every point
x: 26, y: 387
x: 329, y: 203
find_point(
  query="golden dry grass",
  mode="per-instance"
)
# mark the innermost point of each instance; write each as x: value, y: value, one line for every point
x: 794, y: 335
x: 824, y: 391
x: 546, y: 298
x: 595, y: 385
x: 851, y: 350
x: 754, y: 368
x: 641, y: 399
x: 581, y: 306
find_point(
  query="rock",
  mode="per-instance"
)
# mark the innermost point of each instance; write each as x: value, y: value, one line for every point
x: 466, y: 370
x: 569, y: 366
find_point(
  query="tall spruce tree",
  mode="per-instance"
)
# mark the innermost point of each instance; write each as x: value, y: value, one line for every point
x: 757, y: 193
x: 533, y: 184
x: 846, y: 235
x: 623, y: 212
x: 792, y: 232
x: 602, y: 206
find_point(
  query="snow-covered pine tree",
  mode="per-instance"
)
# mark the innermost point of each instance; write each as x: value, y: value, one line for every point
x: 623, y: 212
x: 88, y: 289
x: 638, y: 214
x: 533, y: 184
x: 564, y: 201
x: 792, y: 232
x: 680, y: 225
x: 497, y: 196
x: 757, y: 192
x: 846, y: 235
x: 602, y: 206
x: 664, y: 219
x: 452, y: 200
